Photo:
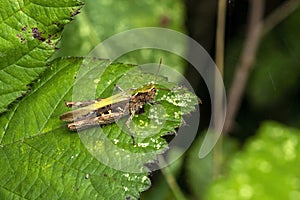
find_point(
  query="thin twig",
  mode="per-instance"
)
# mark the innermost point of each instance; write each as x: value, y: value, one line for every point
x: 246, y: 61
x: 277, y: 16
x: 220, y: 35
x: 256, y: 31
x: 218, y: 99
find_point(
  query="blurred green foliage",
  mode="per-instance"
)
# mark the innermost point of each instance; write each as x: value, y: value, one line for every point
x: 267, y: 168
x: 101, y: 19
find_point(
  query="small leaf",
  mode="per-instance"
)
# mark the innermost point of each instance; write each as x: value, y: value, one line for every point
x: 31, y: 30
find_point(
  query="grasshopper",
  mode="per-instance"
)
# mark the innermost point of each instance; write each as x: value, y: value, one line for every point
x: 108, y: 110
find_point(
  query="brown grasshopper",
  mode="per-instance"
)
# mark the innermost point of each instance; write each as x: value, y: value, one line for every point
x: 108, y: 110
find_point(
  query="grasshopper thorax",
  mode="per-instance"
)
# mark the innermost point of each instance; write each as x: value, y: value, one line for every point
x: 144, y: 95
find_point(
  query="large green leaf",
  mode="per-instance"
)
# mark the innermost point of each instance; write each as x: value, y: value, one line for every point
x: 268, y: 168
x: 29, y: 32
x: 41, y: 158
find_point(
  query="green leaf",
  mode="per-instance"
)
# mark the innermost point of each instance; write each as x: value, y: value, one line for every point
x: 30, y: 31
x: 41, y: 158
x: 268, y: 168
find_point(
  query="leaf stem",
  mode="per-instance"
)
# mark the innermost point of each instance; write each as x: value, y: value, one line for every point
x: 172, y: 181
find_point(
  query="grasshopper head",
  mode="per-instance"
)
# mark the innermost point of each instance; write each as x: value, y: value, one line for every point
x: 151, y: 93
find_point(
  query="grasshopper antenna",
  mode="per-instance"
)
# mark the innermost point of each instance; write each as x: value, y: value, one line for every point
x: 160, y: 61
